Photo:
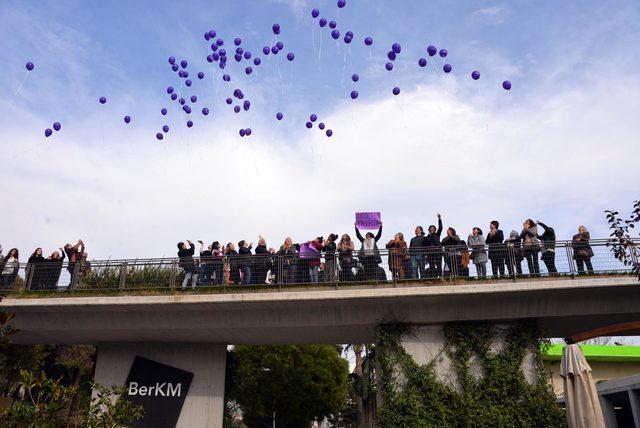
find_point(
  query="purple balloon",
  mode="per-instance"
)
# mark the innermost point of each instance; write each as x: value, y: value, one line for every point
x: 506, y: 85
x: 355, y: 77
x: 210, y: 58
x: 222, y: 53
x: 163, y: 111
x: 247, y: 55
x: 248, y: 70
x: 127, y: 119
x: 219, y: 42
x: 290, y: 56
x: 422, y: 62
x: 389, y: 66
x: 475, y: 75
x: 242, y: 132
x: 391, y: 55
x: 236, y: 93
x: 321, y: 126
x: 181, y: 101
x: 180, y: 73
x: 201, y: 75
x: 239, y: 51
x: 348, y: 39
x: 342, y: 3
x: 194, y: 98
x: 170, y: 90
x: 238, y: 57
x: 165, y: 129
x: 236, y: 109
x: 174, y: 96
x: 188, y: 82
x: 274, y: 50
x: 368, y: 41
x: 229, y: 101
x: 276, y: 28
x: 396, y: 91
x: 443, y: 53
x: 309, y: 125
x: 102, y: 100
x: 266, y: 50
x: 432, y: 50
x: 247, y: 132
x: 335, y: 34
x: 322, y: 22
x: 187, y: 109
x: 257, y: 61
x: 333, y: 24
x: 205, y: 111
x: 315, y: 13
x: 313, y: 117
x: 189, y: 124
x: 279, y: 116
x: 172, y: 60
x: 226, y: 78
x: 212, y: 34
x: 222, y: 65
x: 174, y: 67
x: 329, y: 133
x: 159, y: 136
x: 207, y: 37
x: 396, y: 48
x: 214, y: 47
x: 48, y: 132
x: 447, y: 68
x: 56, y: 126
x: 349, y: 34
x: 354, y: 95
x: 246, y: 105
x: 237, y: 41
x: 183, y: 63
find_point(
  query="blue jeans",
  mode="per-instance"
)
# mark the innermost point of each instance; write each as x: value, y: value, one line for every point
x: 313, y: 273
x: 247, y: 275
x: 418, y: 265
x: 193, y: 276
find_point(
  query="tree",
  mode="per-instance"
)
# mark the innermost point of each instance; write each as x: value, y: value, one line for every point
x: 297, y: 384
x: 621, y: 242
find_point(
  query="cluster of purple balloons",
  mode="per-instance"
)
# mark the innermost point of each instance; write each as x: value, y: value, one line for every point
x: 321, y: 126
x: 56, y: 127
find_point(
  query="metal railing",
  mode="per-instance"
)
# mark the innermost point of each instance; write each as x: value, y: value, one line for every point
x: 392, y: 265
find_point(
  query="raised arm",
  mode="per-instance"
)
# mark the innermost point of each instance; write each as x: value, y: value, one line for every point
x: 439, y: 231
x: 379, y: 234
x: 358, y: 235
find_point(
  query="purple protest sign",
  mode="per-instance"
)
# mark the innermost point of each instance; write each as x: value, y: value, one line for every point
x: 308, y: 252
x: 368, y: 221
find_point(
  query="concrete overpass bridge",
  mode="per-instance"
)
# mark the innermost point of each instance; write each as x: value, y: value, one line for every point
x: 189, y: 330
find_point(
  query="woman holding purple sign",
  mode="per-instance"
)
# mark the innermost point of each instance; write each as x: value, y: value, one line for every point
x: 369, y: 255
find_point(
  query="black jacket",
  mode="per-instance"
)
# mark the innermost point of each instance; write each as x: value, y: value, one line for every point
x: 433, y: 239
x: 186, y: 258
x: 376, y: 238
x: 245, y: 257
x: 548, y: 238
x: 416, y: 245
x: 496, y: 250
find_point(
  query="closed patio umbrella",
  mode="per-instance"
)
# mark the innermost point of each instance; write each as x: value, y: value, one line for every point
x: 580, y: 395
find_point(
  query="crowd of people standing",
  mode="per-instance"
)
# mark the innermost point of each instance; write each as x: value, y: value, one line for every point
x: 425, y: 256
x: 331, y: 259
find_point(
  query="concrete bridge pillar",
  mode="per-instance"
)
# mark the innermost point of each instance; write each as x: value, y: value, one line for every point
x: 178, y: 384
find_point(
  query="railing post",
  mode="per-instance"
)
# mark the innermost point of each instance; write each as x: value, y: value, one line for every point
x: 512, y: 262
x: 123, y: 276
x: 280, y: 276
x: 28, y: 276
x: 568, y: 250
x: 174, y: 273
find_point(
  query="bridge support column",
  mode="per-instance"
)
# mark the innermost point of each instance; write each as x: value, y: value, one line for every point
x: 199, y: 366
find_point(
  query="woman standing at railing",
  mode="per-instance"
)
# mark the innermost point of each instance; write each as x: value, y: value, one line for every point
x: 330, y: 249
x: 35, y: 268
x: 288, y: 254
x: 369, y: 255
x: 548, y: 240
x: 345, y: 257
x: 530, y: 245
x: 206, y: 262
x: 514, y: 253
x: 245, y: 261
x: 452, y: 257
x: 53, y: 269
x: 10, y: 267
x: 496, y: 249
x: 217, y: 262
x: 262, y: 262
x: 478, y: 251
x: 234, y: 267
x: 582, y: 251
x: 397, y: 255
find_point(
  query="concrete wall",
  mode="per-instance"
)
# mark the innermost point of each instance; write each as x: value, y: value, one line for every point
x: 601, y: 371
x: 204, y: 404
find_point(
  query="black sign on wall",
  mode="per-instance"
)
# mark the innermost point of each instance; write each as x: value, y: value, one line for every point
x: 160, y: 390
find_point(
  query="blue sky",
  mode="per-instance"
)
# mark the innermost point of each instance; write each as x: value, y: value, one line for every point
x: 447, y: 144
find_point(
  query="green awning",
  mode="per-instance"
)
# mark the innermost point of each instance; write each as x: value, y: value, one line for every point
x: 622, y: 353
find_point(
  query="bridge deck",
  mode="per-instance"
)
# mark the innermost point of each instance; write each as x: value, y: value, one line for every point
x: 344, y: 315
